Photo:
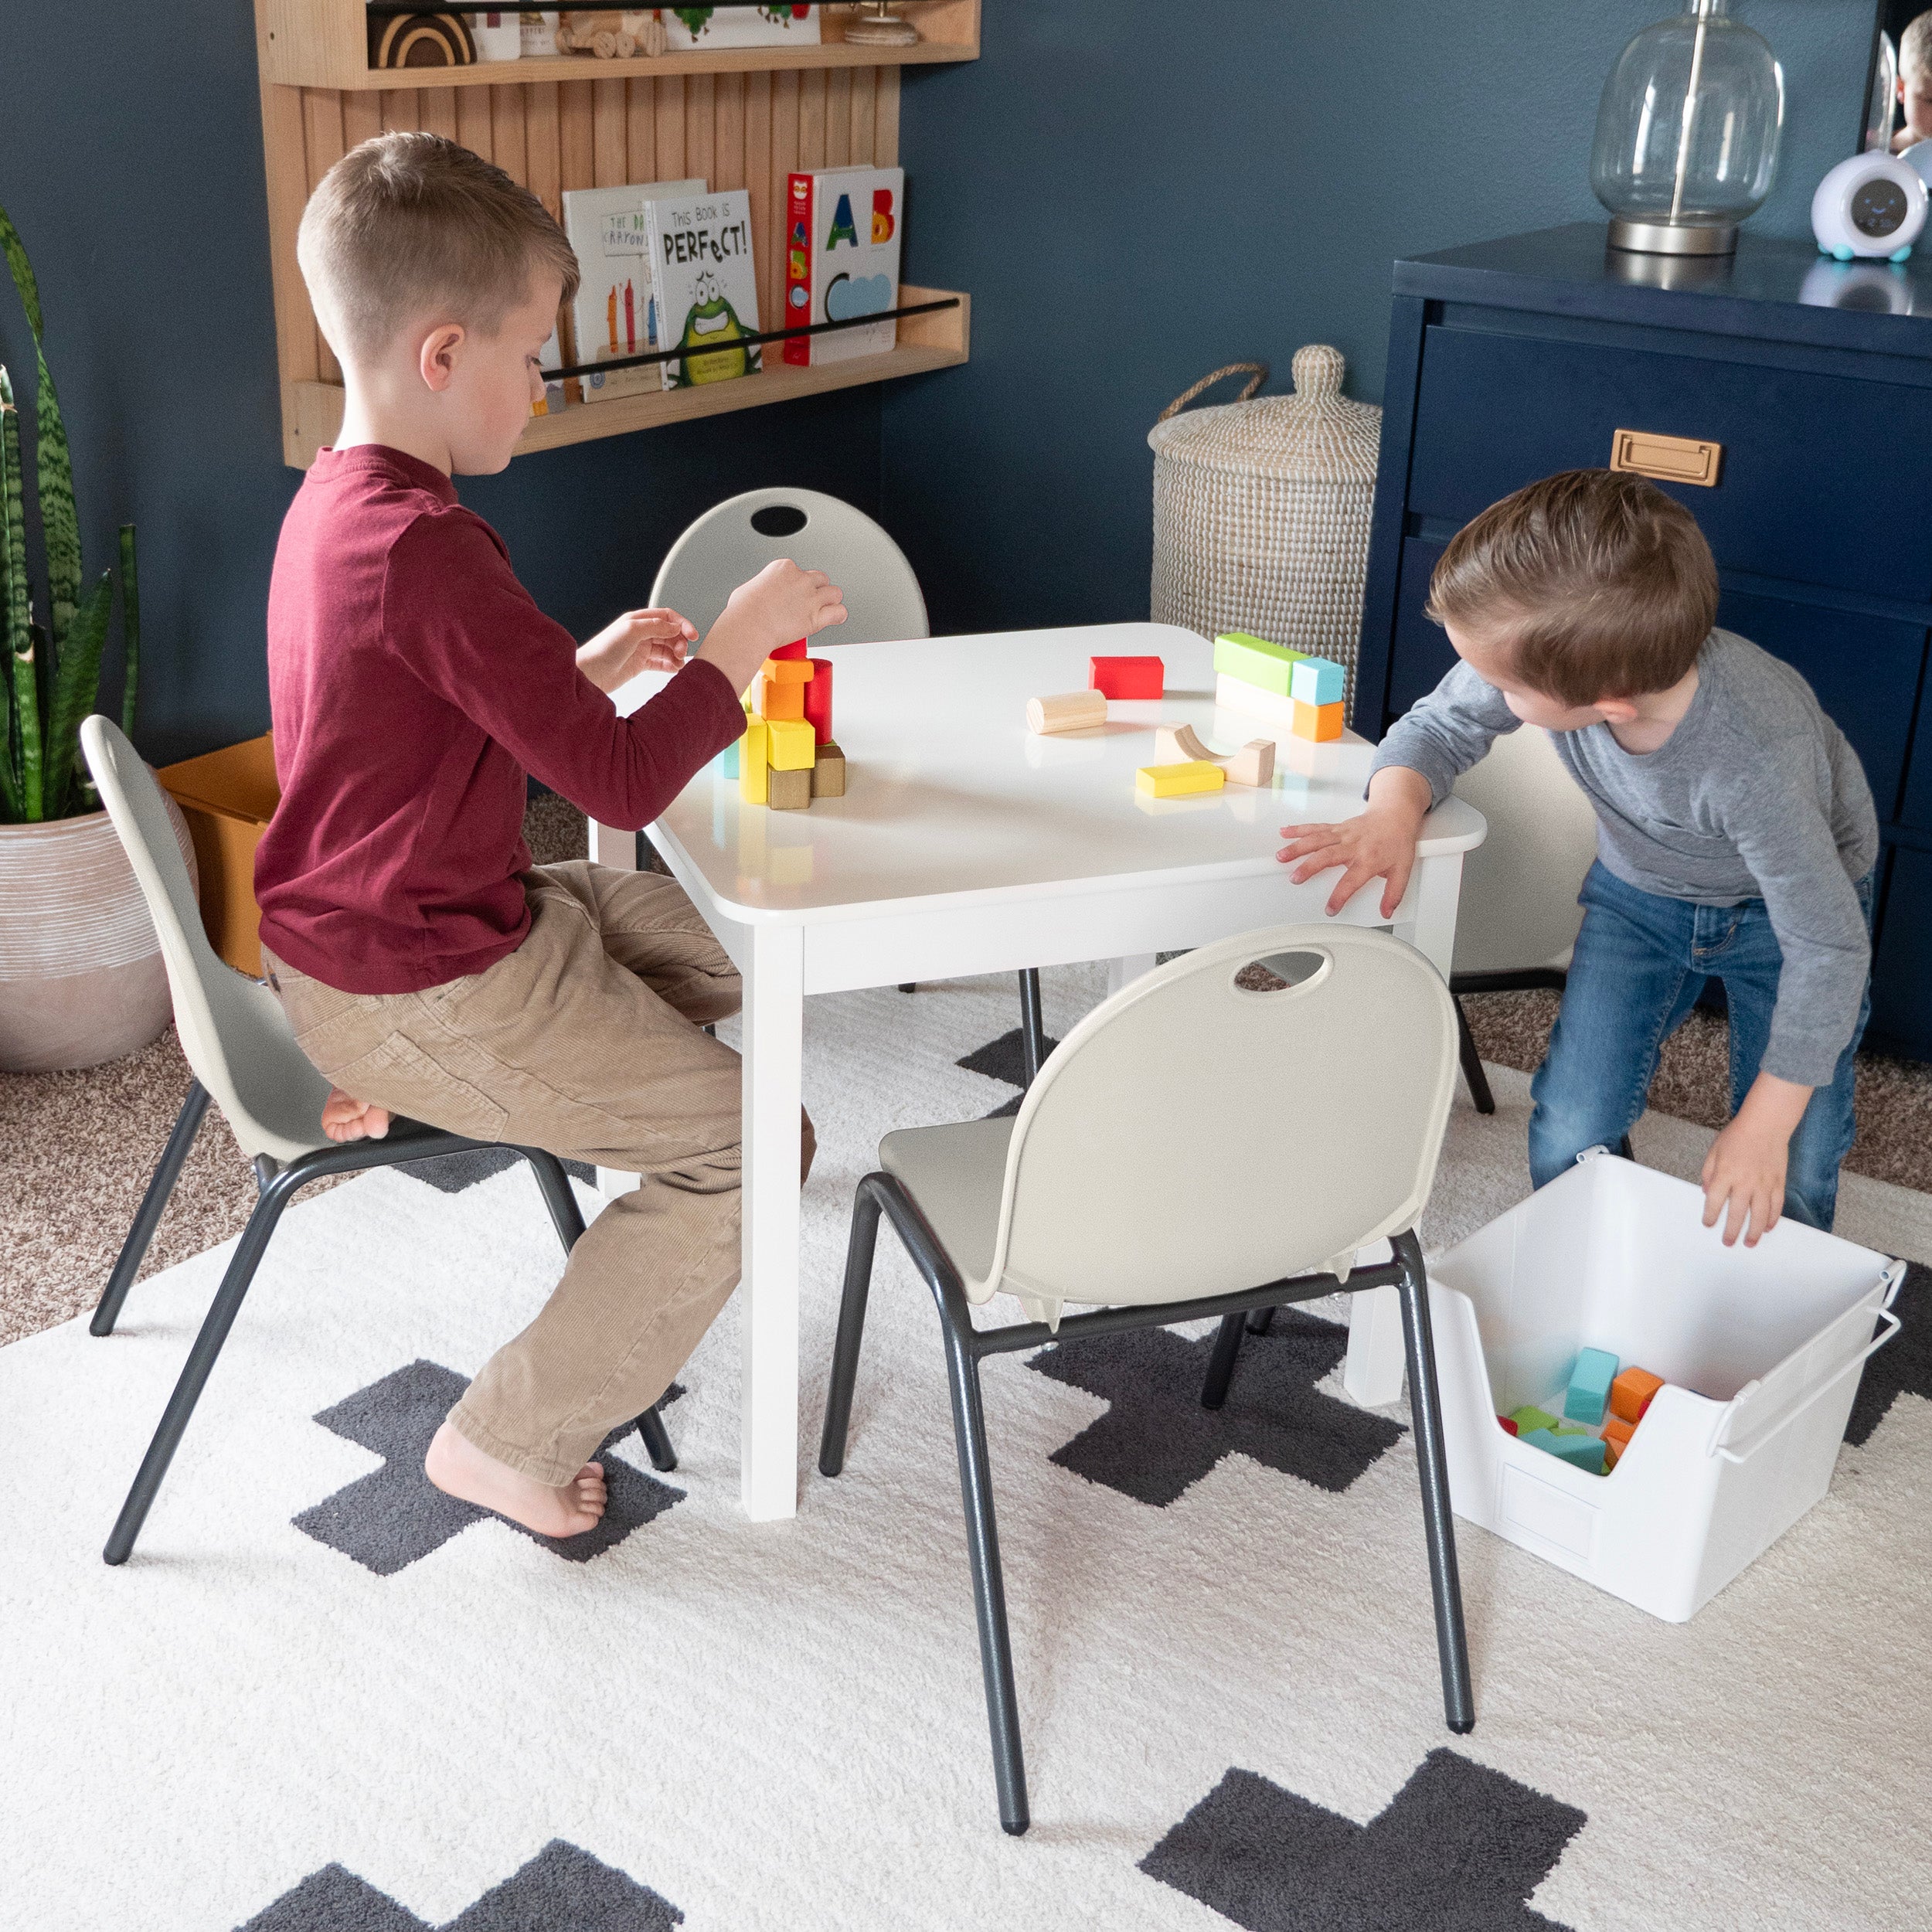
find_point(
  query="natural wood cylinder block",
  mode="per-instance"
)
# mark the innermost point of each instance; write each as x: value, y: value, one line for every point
x: 1072, y: 711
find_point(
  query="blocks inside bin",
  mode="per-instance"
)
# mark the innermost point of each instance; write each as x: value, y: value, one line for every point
x: 1588, y: 1394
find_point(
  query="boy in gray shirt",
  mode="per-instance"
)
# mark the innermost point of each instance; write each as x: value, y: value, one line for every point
x: 1735, y: 833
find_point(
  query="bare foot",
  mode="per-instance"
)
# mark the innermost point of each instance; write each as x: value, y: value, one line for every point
x: 346, y: 1118
x: 459, y: 1468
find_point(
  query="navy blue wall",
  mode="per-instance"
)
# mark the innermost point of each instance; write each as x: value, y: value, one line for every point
x: 1136, y: 191
x: 130, y: 160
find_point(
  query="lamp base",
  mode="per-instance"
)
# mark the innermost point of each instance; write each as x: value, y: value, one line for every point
x: 880, y: 30
x: 1674, y: 238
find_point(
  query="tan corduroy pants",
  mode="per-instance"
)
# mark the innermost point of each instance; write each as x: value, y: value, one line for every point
x: 585, y: 1041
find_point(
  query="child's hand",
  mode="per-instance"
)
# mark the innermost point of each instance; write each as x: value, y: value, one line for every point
x: 1381, y: 844
x: 639, y: 640
x: 782, y: 602
x: 1744, y: 1172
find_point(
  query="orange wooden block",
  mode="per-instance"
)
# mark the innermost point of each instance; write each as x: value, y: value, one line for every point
x: 1317, y: 723
x: 1617, y: 1435
x: 788, y: 670
x: 781, y: 702
x: 1632, y: 1392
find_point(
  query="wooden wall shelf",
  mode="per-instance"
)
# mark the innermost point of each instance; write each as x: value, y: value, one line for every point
x: 938, y: 341
x: 323, y: 43
x: 739, y: 118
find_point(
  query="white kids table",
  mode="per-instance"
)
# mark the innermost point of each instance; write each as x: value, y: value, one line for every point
x: 964, y: 844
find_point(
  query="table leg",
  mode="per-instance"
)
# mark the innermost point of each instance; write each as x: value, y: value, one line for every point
x: 773, y: 1041
x: 1428, y: 922
x: 1373, y: 1373
x: 611, y: 847
x: 1124, y: 972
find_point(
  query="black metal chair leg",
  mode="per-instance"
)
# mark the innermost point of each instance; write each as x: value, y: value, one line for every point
x: 555, y: 1184
x: 201, y: 1359
x: 989, y: 1588
x: 656, y: 1442
x: 909, y: 985
x: 153, y: 1203
x: 1032, y: 1027
x: 852, y: 1331
x: 1261, y: 1321
x: 1472, y: 1063
x: 1425, y: 1413
x: 1220, y: 1371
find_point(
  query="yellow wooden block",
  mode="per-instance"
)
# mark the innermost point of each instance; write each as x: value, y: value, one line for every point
x: 789, y: 670
x: 1176, y: 781
x: 1317, y: 723
x: 791, y: 744
x: 782, y: 702
x: 754, y: 751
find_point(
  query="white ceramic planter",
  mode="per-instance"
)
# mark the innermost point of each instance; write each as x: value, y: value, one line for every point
x: 81, y: 977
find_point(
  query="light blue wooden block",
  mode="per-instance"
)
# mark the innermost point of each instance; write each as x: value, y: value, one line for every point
x: 1582, y: 1452
x: 1589, y: 1392
x: 728, y: 759
x: 1317, y: 681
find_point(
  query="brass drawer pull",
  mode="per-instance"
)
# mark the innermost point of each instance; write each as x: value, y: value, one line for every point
x: 1670, y: 459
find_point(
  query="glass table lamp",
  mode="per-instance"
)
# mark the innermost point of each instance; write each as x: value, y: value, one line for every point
x: 1687, y: 134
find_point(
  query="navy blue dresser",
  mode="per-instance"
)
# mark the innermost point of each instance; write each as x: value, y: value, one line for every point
x: 1514, y: 358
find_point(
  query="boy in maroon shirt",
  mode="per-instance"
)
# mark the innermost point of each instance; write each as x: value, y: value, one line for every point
x: 427, y: 967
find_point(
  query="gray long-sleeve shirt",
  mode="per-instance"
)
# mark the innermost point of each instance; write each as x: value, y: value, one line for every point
x: 1755, y: 795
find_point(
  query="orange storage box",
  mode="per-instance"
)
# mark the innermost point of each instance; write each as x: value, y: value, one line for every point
x: 228, y: 797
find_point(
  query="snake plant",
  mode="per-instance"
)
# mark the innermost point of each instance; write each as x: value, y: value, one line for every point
x: 53, y: 669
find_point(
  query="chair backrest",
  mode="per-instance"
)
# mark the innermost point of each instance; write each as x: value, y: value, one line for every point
x: 1192, y: 1137
x: 738, y: 538
x: 232, y: 1027
x: 1519, y: 909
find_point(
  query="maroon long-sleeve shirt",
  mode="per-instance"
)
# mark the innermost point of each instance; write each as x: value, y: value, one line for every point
x: 413, y: 683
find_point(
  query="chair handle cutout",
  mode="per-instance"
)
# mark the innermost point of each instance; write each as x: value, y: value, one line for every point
x: 1299, y: 970
x: 779, y: 519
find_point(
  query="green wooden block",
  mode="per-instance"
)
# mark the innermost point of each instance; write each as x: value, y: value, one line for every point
x: 1580, y: 1451
x: 1588, y: 1394
x: 1527, y: 1419
x: 1268, y: 667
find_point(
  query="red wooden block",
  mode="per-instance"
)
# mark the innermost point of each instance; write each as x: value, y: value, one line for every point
x: 818, y: 700
x: 1507, y: 1424
x: 795, y: 649
x: 1126, y: 677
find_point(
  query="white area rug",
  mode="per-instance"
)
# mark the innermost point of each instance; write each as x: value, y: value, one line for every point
x: 739, y: 1727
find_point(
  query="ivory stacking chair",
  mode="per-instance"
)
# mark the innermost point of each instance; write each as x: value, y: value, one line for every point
x: 1517, y: 917
x: 737, y: 537
x: 245, y: 1059
x: 1192, y: 1148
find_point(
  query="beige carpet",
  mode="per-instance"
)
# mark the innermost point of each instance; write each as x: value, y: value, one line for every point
x: 84, y: 1144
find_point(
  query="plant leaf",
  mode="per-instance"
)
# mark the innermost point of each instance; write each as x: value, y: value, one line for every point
x: 77, y: 678
x: 9, y: 733
x: 24, y: 711
x: 130, y: 629
x: 23, y: 276
x: 59, y: 527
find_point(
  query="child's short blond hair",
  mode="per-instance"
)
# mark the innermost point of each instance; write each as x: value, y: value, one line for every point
x: 411, y: 227
x: 1598, y: 585
x: 1915, y: 45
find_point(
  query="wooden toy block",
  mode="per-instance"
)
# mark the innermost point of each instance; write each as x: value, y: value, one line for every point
x: 1531, y: 1417
x: 1252, y: 659
x: 1126, y: 677
x: 1177, y: 745
x: 1179, y: 781
x: 1580, y: 1451
x: 782, y: 703
x: 728, y: 758
x: 789, y: 744
x: 754, y: 768
x: 789, y: 670
x: 1319, y: 723
x: 795, y: 649
x: 1318, y: 681
x: 791, y: 788
x: 1508, y: 1425
x: 829, y: 774
x: 1589, y: 1391
x: 1253, y: 764
x: 1617, y: 1435
x: 818, y: 700
x: 1070, y: 711
x: 1633, y: 1392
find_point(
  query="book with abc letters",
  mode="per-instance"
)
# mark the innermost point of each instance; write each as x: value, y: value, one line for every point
x: 842, y: 231
x: 705, y: 285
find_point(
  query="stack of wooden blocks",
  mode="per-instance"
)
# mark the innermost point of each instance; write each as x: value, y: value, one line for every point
x: 1287, y: 687
x: 788, y: 756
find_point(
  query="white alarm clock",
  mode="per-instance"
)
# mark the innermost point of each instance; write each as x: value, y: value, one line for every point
x: 1871, y: 205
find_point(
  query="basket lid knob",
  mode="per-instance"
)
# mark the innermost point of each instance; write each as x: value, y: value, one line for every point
x: 1318, y: 371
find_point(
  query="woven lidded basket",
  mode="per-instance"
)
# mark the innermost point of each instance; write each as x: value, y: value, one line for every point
x: 1261, y: 510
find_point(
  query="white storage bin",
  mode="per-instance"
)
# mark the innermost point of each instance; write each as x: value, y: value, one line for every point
x: 1761, y: 1348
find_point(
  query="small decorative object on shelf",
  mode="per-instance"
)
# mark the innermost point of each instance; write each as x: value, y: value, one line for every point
x: 1872, y: 205
x: 497, y: 36
x: 538, y: 26
x: 1687, y: 134
x: 753, y: 26
x: 610, y: 33
x: 876, y: 25
x: 420, y: 40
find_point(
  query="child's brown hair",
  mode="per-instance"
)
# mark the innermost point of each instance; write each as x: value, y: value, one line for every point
x: 409, y: 227
x: 1597, y: 583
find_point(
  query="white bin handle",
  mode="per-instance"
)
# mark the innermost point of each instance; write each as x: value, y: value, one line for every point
x: 1830, y: 1381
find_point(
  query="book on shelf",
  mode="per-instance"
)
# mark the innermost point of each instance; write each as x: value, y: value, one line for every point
x: 549, y: 357
x: 685, y: 28
x: 612, y: 315
x: 842, y: 232
x: 705, y: 288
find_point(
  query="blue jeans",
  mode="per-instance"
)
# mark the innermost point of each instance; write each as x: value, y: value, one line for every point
x: 1640, y: 964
